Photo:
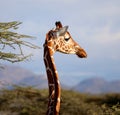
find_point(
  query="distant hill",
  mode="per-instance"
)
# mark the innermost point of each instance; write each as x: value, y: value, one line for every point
x: 98, y: 85
x: 19, y: 76
x: 15, y: 75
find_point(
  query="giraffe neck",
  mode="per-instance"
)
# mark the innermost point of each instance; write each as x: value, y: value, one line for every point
x: 53, y: 82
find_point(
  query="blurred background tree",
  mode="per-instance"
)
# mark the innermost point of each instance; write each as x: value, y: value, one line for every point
x: 10, y: 39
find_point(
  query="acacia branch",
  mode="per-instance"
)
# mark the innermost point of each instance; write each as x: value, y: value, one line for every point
x: 11, y: 57
x: 13, y: 40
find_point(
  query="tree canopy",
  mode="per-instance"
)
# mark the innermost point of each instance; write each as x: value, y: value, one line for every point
x: 10, y: 39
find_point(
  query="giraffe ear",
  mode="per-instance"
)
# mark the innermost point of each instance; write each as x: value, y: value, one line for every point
x: 61, y: 31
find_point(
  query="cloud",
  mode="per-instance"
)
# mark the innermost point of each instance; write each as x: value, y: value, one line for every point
x: 104, y: 35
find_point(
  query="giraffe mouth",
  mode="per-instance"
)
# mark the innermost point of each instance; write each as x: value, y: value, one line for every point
x: 81, y: 53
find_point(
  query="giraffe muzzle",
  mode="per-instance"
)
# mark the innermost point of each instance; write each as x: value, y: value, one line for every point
x: 81, y: 53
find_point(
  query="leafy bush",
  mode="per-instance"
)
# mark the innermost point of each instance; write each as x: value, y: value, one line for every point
x: 31, y: 101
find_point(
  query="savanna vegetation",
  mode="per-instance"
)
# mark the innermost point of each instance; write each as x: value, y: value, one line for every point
x: 31, y: 101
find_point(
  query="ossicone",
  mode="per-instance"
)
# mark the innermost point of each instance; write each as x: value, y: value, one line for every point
x: 58, y: 24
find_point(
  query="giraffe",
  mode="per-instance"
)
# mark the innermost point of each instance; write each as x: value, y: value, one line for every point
x: 58, y: 39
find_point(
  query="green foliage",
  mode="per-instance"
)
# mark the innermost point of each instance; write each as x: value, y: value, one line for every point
x: 23, y: 101
x: 10, y: 39
x: 30, y: 101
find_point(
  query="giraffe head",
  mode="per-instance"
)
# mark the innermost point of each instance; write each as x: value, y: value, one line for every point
x: 63, y: 42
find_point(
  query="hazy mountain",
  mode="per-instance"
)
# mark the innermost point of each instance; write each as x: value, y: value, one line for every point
x: 98, y: 85
x: 17, y: 75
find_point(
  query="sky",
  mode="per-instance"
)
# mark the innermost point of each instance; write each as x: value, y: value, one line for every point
x: 94, y: 24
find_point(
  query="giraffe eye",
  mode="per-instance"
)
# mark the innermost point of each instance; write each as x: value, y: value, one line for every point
x: 66, y: 39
